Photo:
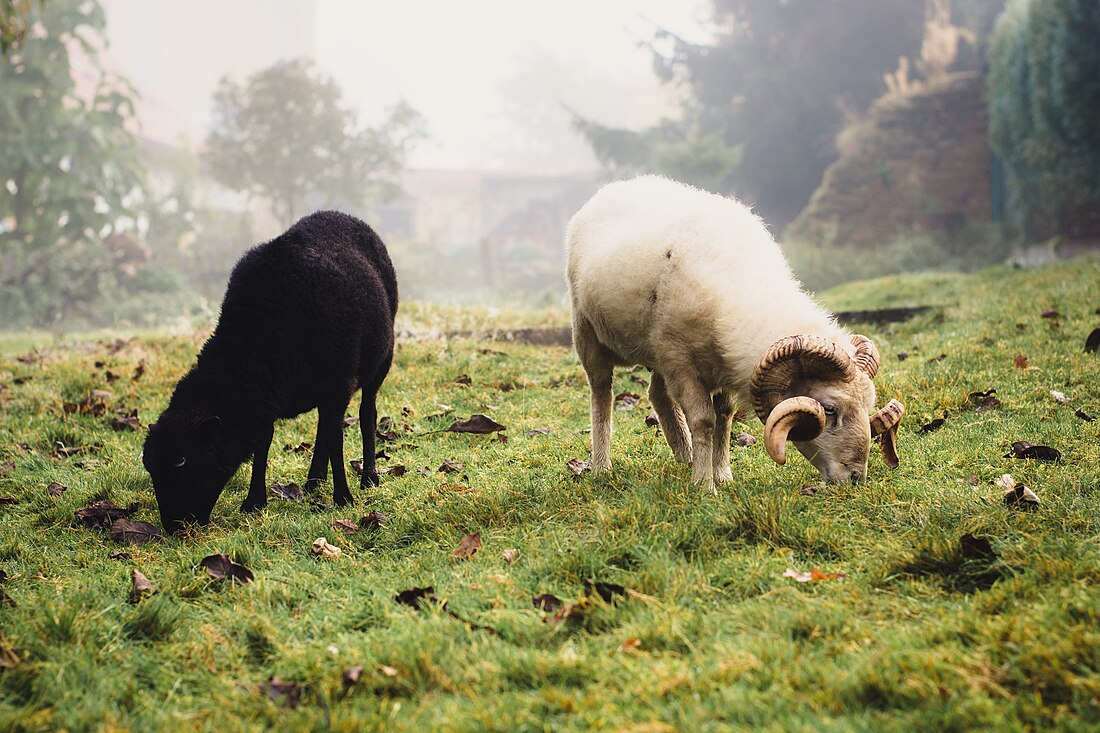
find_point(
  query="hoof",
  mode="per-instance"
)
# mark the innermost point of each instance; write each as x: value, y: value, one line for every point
x: 369, y: 480
x: 312, y: 484
x: 253, y: 506
x: 343, y: 499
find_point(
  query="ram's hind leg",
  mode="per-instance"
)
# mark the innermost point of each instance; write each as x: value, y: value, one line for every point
x: 671, y: 418
x: 723, y: 419
x: 598, y: 365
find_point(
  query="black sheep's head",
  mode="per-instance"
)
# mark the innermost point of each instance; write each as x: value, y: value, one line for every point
x: 190, y: 457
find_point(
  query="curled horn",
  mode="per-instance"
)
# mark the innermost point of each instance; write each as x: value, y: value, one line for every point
x: 866, y: 355
x: 884, y: 425
x: 796, y: 418
x: 791, y: 359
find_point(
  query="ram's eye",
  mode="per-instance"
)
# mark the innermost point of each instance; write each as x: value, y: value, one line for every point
x: 829, y: 409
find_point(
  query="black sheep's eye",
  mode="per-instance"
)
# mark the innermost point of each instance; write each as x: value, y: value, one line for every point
x: 180, y: 462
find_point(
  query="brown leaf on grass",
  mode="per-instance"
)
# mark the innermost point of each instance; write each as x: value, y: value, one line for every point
x: 630, y: 646
x: 128, y: 421
x: 491, y: 352
x: 297, y: 448
x: 639, y: 381
x: 357, y: 466
x: 744, y: 439
x: 8, y: 658
x: 374, y: 520
x: 351, y: 675
x: 56, y: 489
x: 110, y: 376
x: 134, y: 533
x: 627, y: 401
x: 417, y: 598
x: 607, y: 591
x: 546, y: 602
x: 387, y: 671
x: 396, y: 470
x: 1021, y: 496
x: 1050, y: 313
x: 815, y: 574
x: 102, y: 513
x: 325, y: 549
x: 1084, y: 415
x: 985, y: 400
x: 1024, y: 449
x: 139, y: 586
x: 467, y: 546
x: 425, y: 471
x: 651, y: 419
x: 935, y: 359
x: 577, y: 466
x: 220, y: 567
x: 463, y: 379
x: 385, y: 429
x: 450, y: 466
x: 349, y: 421
x: 537, y: 431
x: 455, y: 488
x: 290, y: 492
x: 8, y: 500
x: 903, y: 355
x: 6, y: 467
x: 976, y: 548
x: 565, y: 612
x: 287, y: 694
x: 501, y: 438
x: 139, y: 371
x: 808, y: 490
x: 94, y: 404
x: 1092, y: 343
x: 1020, y: 361
x: 934, y: 425
x: 505, y: 386
x: 477, y: 424
x: 1059, y: 397
x: 347, y: 525
x: 119, y: 555
x: 973, y: 479
x: 510, y: 555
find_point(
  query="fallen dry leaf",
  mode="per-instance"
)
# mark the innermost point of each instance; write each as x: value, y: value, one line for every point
x: 1084, y: 415
x: 297, y: 448
x: 537, y: 431
x: 814, y: 575
x: 350, y: 421
x: 8, y: 658
x: 220, y: 567
x: 450, y: 466
x: 577, y: 466
x: 140, y: 586
x: 417, y: 597
x: 631, y: 645
x: 56, y: 489
x: 463, y: 379
x: 396, y: 470
x: 8, y: 500
x: 374, y: 520
x: 652, y: 420
x: 1050, y: 313
x: 287, y: 694
x: 744, y: 439
x: 290, y: 492
x: 351, y: 675
x: 808, y: 490
x: 606, y: 591
x: 546, y: 602
x: 1021, y: 496
x: 976, y: 547
x: 347, y: 525
x: 1020, y: 361
x: 1059, y: 397
x: 134, y: 533
x: 477, y: 424
x: 510, y: 555
x: 387, y: 671
x: 6, y: 467
x: 102, y: 513
x: 467, y: 546
x: 325, y: 549
x: 934, y: 425
x: 128, y: 421
x: 1024, y: 449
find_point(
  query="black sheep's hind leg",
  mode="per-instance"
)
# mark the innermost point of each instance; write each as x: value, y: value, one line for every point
x: 318, y: 466
x: 257, y: 485
x: 368, y: 425
x: 330, y: 423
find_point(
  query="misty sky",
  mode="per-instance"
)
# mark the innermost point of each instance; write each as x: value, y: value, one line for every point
x: 490, y: 76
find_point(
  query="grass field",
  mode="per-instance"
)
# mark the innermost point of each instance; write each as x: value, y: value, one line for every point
x: 700, y: 630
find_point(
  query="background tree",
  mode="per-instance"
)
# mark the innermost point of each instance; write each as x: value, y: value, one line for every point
x: 285, y: 135
x: 1044, y: 97
x: 765, y: 99
x: 68, y: 170
x: 14, y: 21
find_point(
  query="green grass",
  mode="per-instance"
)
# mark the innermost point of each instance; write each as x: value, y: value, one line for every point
x: 917, y: 636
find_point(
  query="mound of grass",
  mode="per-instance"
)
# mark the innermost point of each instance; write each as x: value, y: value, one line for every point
x: 670, y: 609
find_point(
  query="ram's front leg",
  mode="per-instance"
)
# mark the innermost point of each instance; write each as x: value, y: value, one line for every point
x: 694, y: 398
x: 723, y: 419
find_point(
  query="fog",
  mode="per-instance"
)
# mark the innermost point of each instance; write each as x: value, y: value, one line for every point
x: 145, y: 145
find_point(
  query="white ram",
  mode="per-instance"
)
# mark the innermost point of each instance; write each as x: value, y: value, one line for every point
x: 692, y: 286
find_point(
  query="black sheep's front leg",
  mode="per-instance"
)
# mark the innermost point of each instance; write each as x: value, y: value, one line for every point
x: 330, y: 426
x: 257, y: 485
x: 318, y: 466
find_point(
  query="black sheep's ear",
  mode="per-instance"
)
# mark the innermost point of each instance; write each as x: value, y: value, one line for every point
x: 208, y: 424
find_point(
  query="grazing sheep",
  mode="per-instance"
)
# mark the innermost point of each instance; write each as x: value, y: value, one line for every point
x: 307, y: 320
x: 692, y: 286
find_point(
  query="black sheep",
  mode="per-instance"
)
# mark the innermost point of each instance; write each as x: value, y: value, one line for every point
x: 307, y: 319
